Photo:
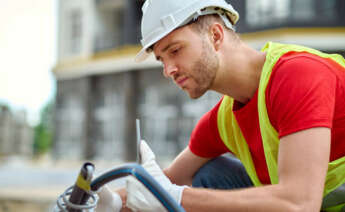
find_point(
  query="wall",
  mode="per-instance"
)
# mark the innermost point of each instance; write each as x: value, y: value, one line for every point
x: 96, y: 115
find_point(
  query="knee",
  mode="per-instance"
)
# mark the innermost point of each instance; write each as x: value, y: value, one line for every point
x: 208, y: 176
x: 203, y: 178
x: 222, y: 173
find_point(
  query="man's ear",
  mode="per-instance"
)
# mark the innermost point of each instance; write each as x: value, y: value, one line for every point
x: 217, y: 35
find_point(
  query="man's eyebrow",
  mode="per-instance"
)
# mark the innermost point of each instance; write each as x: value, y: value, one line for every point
x: 169, y: 45
x: 166, y: 48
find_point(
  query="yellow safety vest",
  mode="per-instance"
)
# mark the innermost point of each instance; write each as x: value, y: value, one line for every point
x: 232, y: 137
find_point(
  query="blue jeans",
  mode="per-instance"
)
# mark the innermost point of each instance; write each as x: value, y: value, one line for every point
x: 223, y: 172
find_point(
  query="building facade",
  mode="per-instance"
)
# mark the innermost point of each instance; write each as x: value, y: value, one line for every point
x: 16, y: 135
x: 101, y: 90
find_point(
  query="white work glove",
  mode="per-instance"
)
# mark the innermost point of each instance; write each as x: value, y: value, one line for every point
x: 139, y: 198
x: 109, y: 201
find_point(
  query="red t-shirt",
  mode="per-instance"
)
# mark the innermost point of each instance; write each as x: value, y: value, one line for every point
x: 304, y: 91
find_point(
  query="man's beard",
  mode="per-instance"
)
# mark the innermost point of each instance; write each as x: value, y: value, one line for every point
x: 204, y: 70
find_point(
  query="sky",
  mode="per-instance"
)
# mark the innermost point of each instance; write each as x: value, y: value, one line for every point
x: 28, y: 38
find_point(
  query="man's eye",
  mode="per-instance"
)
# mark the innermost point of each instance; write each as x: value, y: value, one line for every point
x: 175, y: 51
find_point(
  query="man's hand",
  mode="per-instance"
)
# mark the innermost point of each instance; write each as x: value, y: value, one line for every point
x: 109, y: 201
x: 141, y: 199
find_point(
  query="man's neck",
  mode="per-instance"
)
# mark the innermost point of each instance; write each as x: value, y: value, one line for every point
x: 239, y: 73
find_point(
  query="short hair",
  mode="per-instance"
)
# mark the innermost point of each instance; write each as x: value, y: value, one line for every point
x: 202, y: 24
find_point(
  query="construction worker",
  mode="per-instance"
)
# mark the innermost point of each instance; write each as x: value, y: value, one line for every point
x: 282, y: 116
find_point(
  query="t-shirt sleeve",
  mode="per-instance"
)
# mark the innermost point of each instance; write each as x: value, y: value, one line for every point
x: 205, y: 140
x: 301, y: 94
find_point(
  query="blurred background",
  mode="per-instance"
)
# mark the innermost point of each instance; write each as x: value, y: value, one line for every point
x: 70, y: 91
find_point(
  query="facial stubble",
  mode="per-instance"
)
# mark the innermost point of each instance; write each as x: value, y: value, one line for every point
x: 204, y: 70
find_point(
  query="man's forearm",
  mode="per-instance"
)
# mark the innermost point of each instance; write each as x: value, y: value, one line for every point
x: 266, y: 198
x: 183, y: 168
x: 177, y: 180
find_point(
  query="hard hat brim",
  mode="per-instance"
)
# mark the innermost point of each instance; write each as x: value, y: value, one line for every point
x: 142, y: 55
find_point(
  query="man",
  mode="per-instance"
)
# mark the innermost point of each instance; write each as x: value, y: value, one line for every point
x: 282, y: 116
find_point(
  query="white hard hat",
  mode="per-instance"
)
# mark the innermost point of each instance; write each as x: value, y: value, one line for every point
x: 160, y: 17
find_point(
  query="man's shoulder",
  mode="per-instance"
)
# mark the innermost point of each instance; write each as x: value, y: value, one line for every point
x: 302, y: 64
x: 302, y: 57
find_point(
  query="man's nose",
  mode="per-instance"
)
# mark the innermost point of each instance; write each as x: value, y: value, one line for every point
x: 169, y: 69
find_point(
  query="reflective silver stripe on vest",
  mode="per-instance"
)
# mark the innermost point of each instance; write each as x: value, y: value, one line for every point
x: 336, y: 197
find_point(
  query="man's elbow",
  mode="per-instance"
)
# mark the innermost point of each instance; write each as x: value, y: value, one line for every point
x: 299, y: 201
x: 303, y: 207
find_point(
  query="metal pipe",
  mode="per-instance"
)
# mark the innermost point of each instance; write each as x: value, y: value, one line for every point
x: 145, y: 178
